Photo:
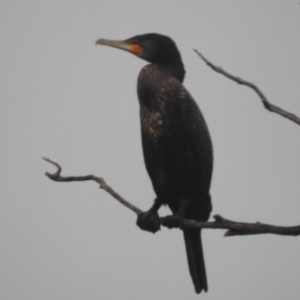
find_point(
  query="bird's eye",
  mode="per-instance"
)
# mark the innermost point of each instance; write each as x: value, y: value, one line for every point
x: 134, y: 41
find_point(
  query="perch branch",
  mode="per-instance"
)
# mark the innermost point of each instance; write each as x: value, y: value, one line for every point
x: 269, y: 106
x: 233, y: 228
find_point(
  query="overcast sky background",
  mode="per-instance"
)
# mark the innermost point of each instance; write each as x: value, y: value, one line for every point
x: 65, y: 98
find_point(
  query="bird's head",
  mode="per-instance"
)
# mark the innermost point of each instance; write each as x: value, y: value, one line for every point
x: 152, y: 47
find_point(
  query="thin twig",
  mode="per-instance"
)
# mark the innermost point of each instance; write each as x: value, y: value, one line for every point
x: 233, y: 228
x: 269, y: 106
x: 103, y: 185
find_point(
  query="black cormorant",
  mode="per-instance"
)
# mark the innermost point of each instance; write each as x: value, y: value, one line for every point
x: 176, y: 143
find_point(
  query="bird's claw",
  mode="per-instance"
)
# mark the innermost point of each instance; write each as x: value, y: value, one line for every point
x: 148, y: 221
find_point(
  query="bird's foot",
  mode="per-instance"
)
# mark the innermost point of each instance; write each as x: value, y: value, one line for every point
x: 173, y: 221
x: 149, y: 221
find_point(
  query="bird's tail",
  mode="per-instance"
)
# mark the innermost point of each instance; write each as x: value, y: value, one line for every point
x: 194, y: 251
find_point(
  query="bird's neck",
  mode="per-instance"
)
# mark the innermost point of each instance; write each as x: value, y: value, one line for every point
x: 154, y: 82
x: 175, y: 69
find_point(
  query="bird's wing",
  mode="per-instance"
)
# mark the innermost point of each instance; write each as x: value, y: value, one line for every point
x: 196, y: 132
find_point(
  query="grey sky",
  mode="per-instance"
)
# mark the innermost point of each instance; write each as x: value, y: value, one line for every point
x: 65, y: 98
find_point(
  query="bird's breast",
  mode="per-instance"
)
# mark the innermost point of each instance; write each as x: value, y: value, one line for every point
x: 152, y: 122
x: 152, y: 101
x: 156, y: 92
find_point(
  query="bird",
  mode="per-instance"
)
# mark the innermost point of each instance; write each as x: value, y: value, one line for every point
x: 176, y: 144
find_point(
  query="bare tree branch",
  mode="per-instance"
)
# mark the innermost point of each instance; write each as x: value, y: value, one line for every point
x: 57, y: 177
x: 241, y: 228
x: 233, y: 228
x: 269, y: 106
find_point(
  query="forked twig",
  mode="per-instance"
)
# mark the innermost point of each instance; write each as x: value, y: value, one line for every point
x: 269, y: 106
x: 233, y: 228
x: 103, y: 185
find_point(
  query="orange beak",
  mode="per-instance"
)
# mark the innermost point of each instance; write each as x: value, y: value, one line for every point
x: 123, y: 45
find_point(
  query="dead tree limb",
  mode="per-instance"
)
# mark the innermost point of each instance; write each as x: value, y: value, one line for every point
x: 233, y: 228
x: 269, y: 106
x: 57, y: 177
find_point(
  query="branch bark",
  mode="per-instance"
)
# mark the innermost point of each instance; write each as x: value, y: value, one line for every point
x: 269, y: 106
x: 233, y: 228
x: 103, y: 185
